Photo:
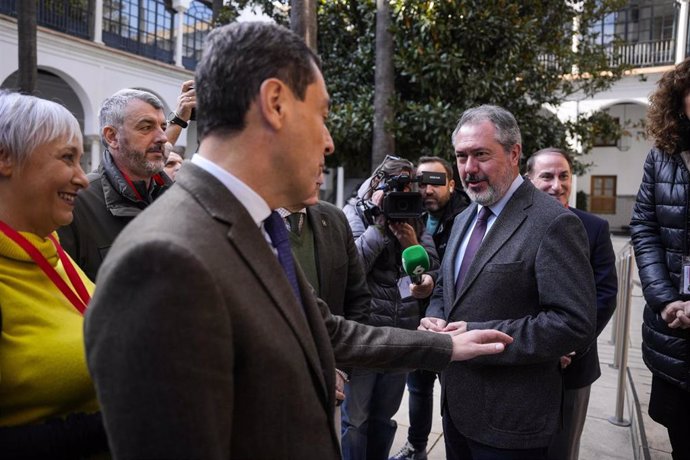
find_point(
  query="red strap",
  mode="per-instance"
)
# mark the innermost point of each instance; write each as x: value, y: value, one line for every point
x: 131, y: 184
x: 42, y: 262
x: 71, y: 272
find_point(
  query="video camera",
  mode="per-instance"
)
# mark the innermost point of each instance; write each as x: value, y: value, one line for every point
x: 398, y: 204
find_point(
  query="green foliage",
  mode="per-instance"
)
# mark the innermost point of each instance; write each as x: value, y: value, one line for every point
x: 451, y: 55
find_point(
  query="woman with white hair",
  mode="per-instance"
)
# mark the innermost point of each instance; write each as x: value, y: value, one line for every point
x: 48, y: 406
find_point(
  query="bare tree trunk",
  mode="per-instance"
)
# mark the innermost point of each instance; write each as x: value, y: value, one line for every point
x: 384, y: 85
x: 26, y: 35
x: 217, y: 6
x: 303, y: 20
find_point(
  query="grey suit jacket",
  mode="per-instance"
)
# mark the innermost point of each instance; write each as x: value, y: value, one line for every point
x: 531, y: 279
x: 342, y: 282
x: 199, y: 349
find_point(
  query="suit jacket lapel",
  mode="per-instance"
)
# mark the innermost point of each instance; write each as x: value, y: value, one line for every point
x: 506, y: 224
x: 250, y: 244
x: 460, y: 226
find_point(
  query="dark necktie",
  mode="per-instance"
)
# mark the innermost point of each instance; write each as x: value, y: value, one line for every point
x: 275, y: 227
x: 473, y: 245
x: 294, y: 219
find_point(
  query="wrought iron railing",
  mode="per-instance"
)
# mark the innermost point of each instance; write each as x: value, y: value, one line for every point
x: 198, y: 23
x: 69, y: 16
x: 142, y: 27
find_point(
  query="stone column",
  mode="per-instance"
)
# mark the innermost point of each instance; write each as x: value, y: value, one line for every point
x: 180, y: 6
x: 98, y: 21
x: 95, y: 141
x: 682, y: 31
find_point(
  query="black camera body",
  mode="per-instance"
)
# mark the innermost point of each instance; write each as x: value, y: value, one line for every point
x: 397, y: 204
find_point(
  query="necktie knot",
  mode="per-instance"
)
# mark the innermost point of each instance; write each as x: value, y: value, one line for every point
x: 294, y: 220
x: 484, y: 214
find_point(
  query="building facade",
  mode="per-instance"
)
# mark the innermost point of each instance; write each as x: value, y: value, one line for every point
x: 651, y: 36
x: 89, y: 49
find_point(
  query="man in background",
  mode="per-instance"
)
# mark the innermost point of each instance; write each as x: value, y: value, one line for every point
x: 129, y: 177
x: 322, y: 243
x: 551, y: 171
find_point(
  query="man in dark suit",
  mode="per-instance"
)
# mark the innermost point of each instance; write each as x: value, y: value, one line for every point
x: 517, y: 261
x: 323, y: 245
x: 238, y: 362
x: 550, y: 170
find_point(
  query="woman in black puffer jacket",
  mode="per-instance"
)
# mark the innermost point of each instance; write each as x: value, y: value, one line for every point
x: 660, y: 234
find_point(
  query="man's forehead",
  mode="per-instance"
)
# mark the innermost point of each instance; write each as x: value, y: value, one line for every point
x: 137, y: 106
x: 482, y: 132
x: 551, y: 161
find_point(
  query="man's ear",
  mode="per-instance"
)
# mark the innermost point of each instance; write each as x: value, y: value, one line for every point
x: 272, y: 101
x: 110, y: 136
x: 515, y: 153
x: 6, y: 164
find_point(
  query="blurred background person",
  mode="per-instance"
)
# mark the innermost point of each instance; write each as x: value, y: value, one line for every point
x: 48, y: 406
x: 373, y: 396
x: 173, y: 161
x: 659, y: 231
x: 322, y: 244
x: 551, y: 171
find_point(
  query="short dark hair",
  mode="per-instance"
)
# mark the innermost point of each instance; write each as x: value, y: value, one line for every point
x: 445, y: 163
x: 237, y: 58
x: 529, y: 166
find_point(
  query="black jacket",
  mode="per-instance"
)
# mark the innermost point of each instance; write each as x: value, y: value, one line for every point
x: 457, y: 203
x: 584, y: 368
x: 102, y: 211
x: 659, y: 229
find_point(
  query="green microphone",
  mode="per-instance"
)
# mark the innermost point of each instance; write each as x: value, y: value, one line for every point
x: 415, y: 261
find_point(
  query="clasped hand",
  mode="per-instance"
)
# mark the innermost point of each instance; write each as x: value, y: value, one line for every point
x: 467, y: 344
x: 677, y: 314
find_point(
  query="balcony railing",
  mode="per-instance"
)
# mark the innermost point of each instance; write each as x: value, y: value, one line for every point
x: 643, y: 54
x: 142, y: 27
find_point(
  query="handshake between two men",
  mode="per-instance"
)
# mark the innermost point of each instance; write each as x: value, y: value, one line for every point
x: 467, y: 344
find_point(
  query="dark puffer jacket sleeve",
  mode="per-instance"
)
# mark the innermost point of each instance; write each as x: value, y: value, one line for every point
x: 658, y: 227
x: 659, y: 232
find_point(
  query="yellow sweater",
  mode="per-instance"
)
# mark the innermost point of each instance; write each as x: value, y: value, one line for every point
x: 43, y: 370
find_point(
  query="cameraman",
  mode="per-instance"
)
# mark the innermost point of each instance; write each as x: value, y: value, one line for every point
x: 372, y: 396
x: 442, y: 202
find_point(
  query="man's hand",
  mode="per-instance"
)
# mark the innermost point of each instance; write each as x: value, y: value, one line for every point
x: 456, y: 327
x: 186, y: 101
x: 431, y: 324
x: 405, y: 234
x: 339, y: 388
x: 479, y: 342
x: 424, y: 289
x: 567, y: 359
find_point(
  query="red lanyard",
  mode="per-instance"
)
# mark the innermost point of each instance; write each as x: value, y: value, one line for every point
x: 131, y: 184
x: 156, y: 178
x: 81, y: 299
